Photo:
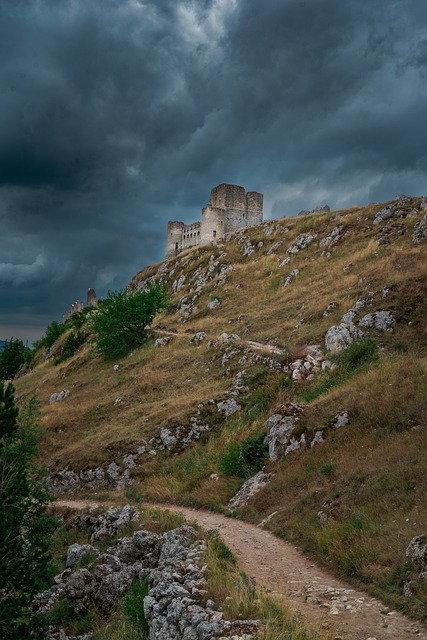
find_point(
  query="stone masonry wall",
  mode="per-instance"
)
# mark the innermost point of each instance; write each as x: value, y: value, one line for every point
x: 229, y: 209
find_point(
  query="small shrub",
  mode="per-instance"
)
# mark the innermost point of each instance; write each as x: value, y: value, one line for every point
x: 327, y: 469
x: 71, y: 344
x: 254, y: 452
x: 133, y: 604
x: 358, y: 353
x: 244, y: 459
x: 230, y: 463
x: 401, y: 346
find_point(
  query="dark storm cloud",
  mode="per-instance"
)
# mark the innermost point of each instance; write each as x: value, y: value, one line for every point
x: 116, y: 115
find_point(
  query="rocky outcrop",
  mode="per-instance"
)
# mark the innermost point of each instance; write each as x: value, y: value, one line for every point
x: 282, y: 433
x: 301, y: 242
x: 287, y: 433
x: 69, y: 481
x: 380, y: 320
x: 420, y: 231
x: 60, y: 395
x: 249, y: 489
x: 321, y: 209
x: 173, y: 564
x: 417, y: 553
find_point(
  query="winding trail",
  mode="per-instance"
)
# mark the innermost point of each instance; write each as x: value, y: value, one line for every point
x: 251, y: 344
x: 317, y: 596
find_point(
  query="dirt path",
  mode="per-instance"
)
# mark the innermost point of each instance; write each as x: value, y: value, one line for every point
x: 310, y: 590
x: 251, y: 344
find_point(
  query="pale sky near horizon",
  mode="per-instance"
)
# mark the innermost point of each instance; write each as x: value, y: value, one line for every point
x: 117, y: 115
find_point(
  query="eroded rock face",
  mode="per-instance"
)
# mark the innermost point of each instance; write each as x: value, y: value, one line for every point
x: 420, y: 231
x: 77, y: 551
x: 340, y: 336
x: 60, y: 395
x: 380, y: 320
x: 417, y: 553
x: 281, y: 428
x: 249, y: 489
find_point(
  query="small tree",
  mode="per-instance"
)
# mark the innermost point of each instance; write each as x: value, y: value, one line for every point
x: 119, y: 323
x: 11, y: 359
x: 25, y: 526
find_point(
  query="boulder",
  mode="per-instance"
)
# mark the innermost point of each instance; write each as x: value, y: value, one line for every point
x: 77, y: 551
x: 420, y: 231
x: 249, y: 489
x: 340, y: 336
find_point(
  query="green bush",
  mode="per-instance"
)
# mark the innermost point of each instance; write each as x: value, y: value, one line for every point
x: 72, y: 343
x: 244, y: 459
x: 254, y: 452
x: 358, y: 353
x: 11, y: 359
x: 230, y: 462
x: 53, y: 331
x: 120, y: 321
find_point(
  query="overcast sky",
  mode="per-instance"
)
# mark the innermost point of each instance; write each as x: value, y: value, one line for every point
x: 117, y: 115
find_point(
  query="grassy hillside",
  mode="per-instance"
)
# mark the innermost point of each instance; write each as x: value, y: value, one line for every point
x: 278, y: 287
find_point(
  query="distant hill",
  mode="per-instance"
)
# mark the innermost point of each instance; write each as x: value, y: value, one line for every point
x: 2, y: 344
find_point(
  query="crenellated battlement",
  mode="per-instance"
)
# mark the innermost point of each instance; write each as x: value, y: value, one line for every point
x: 229, y: 209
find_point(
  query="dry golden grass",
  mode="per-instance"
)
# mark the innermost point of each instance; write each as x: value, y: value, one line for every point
x: 371, y: 474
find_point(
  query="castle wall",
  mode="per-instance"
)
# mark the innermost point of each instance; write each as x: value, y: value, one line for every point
x: 229, y: 209
x: 212, y: 228
x: 174, y: 240
x: 191, y: 235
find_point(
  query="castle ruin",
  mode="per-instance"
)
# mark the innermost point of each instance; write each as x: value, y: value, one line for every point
x: 229, y: 209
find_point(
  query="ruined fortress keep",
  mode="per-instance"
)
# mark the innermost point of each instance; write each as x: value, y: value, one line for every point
x: 229, y: 209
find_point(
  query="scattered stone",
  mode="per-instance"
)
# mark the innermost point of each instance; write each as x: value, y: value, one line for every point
x: 331, y: 306
x: 198, y: 337
x: 213, y: 304
x: 167, y: 438
x: 116, y: 367
x: 112, y: 522
x: 266, y: 520
x: 249, y: 489
x: 291, y: 277
x: 301, y: 242
x: 380, y: 320
x: 341, y: 420
x: 331, y: 240
x: 178, y: 284
x: 274, y: 247
x: 318, y: 439
x: 325, y: 209
x: 417, y: 553
x: 57, y: 397
x: 420, y: 231
x: 228, y: 407
x: 162, y: 342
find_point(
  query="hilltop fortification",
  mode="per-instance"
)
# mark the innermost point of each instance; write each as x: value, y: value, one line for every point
x: 229, y: 209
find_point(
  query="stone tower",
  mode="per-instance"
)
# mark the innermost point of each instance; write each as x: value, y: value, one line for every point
x: 91, y: 298
x: 229, y: 209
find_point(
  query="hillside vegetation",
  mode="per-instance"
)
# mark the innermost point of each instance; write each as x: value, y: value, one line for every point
x: 184, y: 416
